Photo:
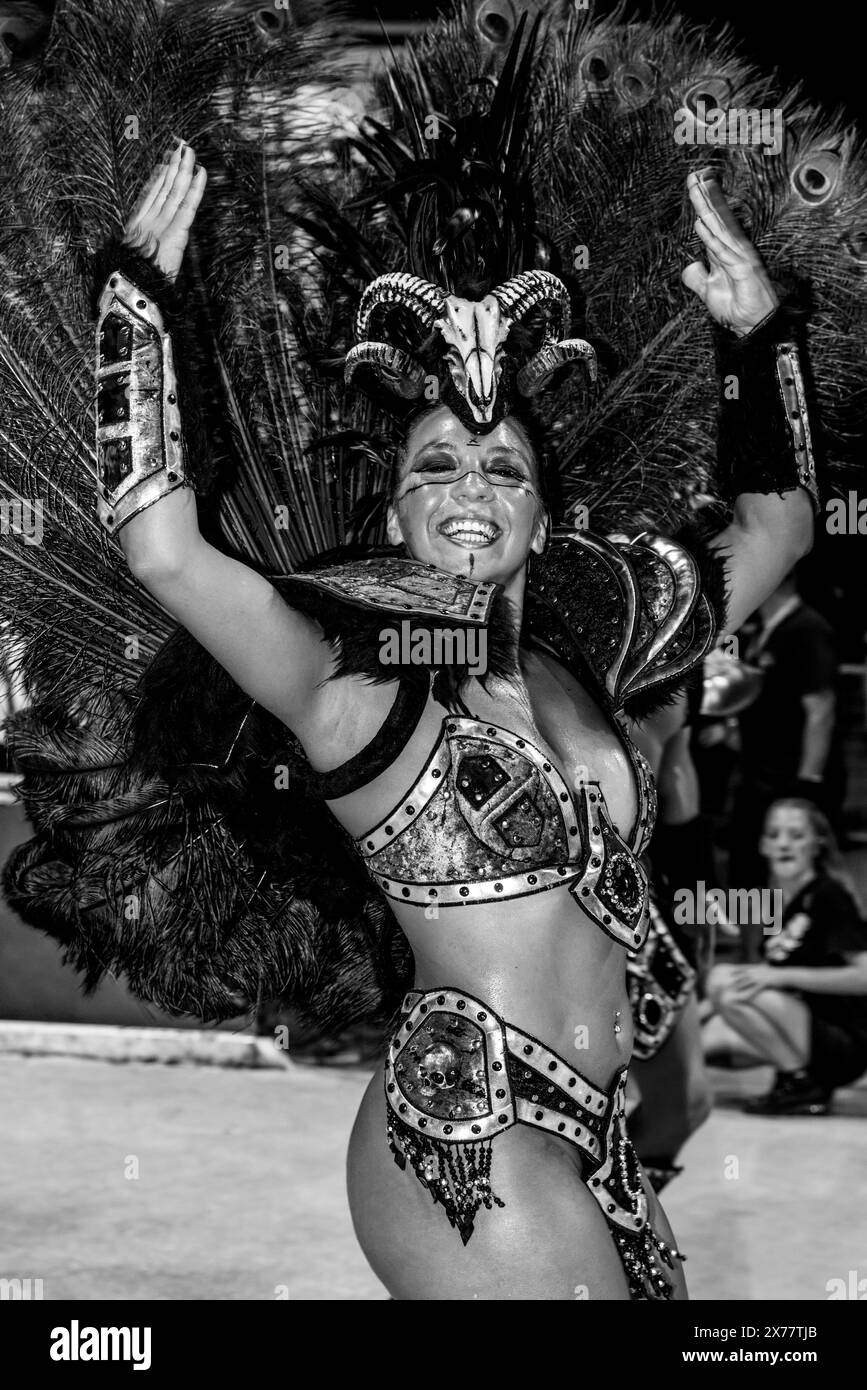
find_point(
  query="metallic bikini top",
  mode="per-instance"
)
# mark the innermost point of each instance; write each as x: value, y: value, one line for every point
x: 490, y: 818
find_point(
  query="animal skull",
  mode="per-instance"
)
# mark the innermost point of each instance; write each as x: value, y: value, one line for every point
x: 475, y: 331
x: 440, y: 1066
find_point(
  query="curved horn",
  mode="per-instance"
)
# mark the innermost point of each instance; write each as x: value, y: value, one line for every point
x: 542, y: 365
x: 400, y: 372
x: 523, y: 292
x: 408, y: 291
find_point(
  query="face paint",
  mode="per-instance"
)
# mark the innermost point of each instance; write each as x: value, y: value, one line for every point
x: 444, y: 478
x: 468, y: 505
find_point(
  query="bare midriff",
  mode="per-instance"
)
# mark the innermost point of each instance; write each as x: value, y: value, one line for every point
x: 539, y: 961
x: 541, y: 964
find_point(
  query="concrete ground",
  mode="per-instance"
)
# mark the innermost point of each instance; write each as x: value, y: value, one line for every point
x: 128, y: 1181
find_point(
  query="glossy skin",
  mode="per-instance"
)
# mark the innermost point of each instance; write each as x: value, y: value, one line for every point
x: 454, y: 485
x: 538, y: 961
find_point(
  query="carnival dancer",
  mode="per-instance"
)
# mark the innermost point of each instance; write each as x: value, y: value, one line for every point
x: 535, y: 881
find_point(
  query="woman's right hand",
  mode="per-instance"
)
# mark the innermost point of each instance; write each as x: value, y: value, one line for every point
x: 159, y: 224
x: 750, y: 980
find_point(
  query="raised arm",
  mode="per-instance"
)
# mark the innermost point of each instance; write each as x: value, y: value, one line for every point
x: 275, y: 654
x: 764, y: 446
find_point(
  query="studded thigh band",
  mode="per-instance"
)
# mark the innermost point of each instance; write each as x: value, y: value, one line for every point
x: 457, y: 1075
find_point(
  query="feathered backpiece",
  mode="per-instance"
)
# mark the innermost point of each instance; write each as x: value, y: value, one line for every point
x: 612, y: 116
x: 176, y: 836
x: 458, y: 321
x: 157, y: 856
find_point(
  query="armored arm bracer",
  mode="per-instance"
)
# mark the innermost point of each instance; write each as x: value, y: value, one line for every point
x: 140, y: 446
x: 765, y: 442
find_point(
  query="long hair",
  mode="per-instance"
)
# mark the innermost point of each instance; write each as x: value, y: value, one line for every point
x: 829, y: 860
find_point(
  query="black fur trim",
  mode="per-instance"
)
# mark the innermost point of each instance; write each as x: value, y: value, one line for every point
x: 649, y: 702
x: 142, y: 269
x: 754, y: 443
x: 354, y: 633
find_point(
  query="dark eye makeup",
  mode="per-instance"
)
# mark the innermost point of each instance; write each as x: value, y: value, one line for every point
x: 444, y: 464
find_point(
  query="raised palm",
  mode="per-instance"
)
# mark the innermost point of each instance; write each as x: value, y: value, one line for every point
x: 736, y: 290
x: 159, y: 224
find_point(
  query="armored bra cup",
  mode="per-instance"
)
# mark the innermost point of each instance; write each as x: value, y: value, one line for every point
x: 490, y: 817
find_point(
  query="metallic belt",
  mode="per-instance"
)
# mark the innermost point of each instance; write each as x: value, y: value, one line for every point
x: 458, y: 1074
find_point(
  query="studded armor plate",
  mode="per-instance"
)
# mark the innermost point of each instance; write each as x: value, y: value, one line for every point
x: 140, y: 448
x: 491, y: 818
x: 659, y: 978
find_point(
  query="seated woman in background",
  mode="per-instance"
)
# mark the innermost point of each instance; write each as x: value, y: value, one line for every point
x: 804, y: 1007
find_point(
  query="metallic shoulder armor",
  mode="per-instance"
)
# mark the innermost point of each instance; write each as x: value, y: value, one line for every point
x: 633, y: 612
x: 140, y: 446
x: 397, y: 586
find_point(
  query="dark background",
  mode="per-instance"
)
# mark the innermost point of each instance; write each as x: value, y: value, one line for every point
x: 820, y: 44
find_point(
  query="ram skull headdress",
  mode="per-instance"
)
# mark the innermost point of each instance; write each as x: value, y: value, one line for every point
x: 465, y: 343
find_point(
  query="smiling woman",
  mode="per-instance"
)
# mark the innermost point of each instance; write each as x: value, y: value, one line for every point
x: 458, y: 491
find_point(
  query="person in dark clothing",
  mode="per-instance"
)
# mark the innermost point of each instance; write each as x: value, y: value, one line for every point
x: 804, y: 1007
x: 789, y: 741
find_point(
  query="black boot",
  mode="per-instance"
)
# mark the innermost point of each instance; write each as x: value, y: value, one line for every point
x: 793, y: 1093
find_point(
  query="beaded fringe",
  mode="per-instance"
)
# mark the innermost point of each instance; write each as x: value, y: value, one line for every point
x: 641, y: 1256
x: 457, y: 1176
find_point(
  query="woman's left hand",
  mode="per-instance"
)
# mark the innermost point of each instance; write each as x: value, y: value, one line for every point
x: 737, y: 290
x: 750, y: 980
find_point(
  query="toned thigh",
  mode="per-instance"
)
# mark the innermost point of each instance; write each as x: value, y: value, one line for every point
x: 550, y: 1241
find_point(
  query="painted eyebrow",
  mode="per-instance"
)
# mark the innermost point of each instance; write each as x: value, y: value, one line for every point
x: 444, y: 447
x: 507, y: 449
x: 435, y: 448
